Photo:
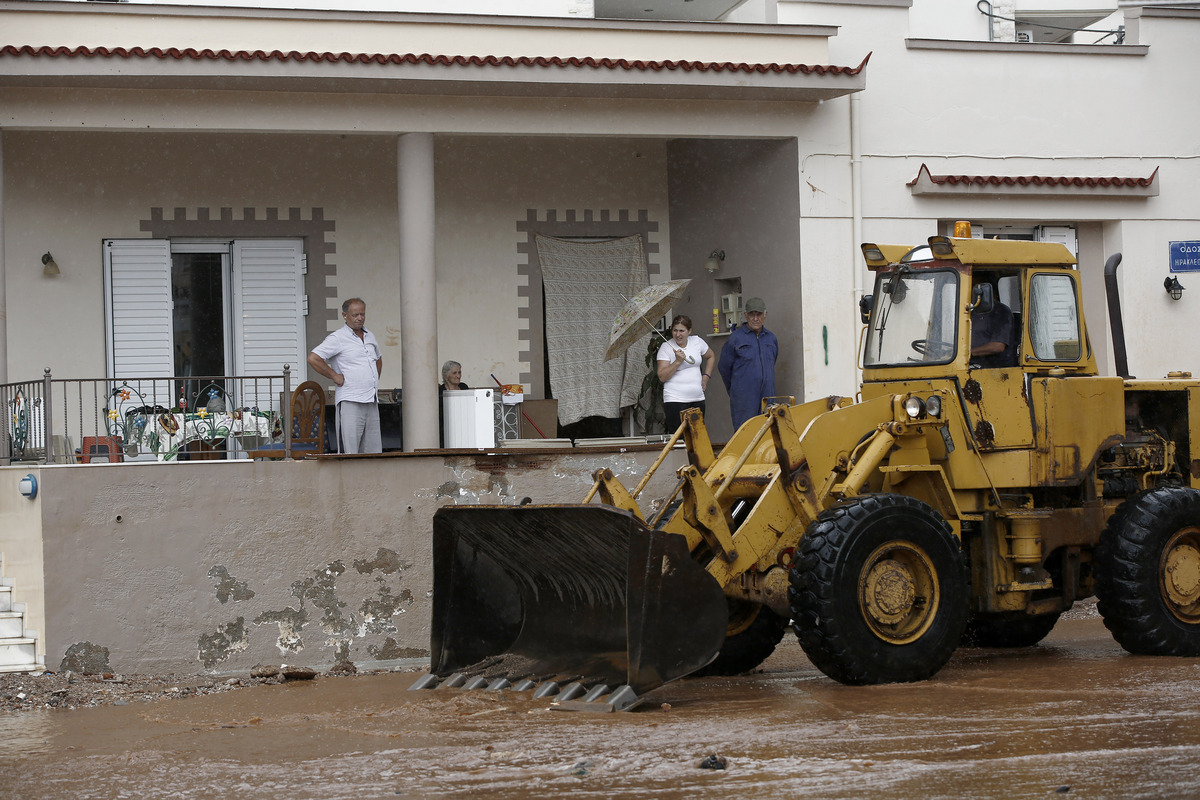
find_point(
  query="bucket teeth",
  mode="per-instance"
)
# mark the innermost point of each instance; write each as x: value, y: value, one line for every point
x: 575, y: 696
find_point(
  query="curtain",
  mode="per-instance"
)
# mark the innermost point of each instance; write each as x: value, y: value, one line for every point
x: 586, y: 284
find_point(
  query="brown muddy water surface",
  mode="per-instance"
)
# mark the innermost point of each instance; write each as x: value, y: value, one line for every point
x: 1075, y: 717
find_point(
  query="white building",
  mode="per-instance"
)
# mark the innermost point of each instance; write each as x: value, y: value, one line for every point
x: 699, y: 136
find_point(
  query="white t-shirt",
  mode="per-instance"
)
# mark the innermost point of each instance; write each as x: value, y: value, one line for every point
x: 355, y: 358
x: 685, y: 385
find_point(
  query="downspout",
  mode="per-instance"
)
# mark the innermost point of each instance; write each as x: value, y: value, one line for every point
x: 856, y: 224
x: 3, y: 295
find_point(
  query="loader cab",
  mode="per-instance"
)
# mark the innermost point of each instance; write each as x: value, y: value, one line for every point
x: 981, y: 318
x: 935, y: 308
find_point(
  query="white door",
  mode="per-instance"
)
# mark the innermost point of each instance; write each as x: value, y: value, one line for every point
x: 207, y: 308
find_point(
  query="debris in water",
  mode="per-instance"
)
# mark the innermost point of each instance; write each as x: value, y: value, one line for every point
x: 713, y: 761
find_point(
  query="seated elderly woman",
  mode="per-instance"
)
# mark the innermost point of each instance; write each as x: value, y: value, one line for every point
x: 452, y: 381
x: 452, y: 377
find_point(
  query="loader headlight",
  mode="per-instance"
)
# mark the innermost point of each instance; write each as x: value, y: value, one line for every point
x: 914, y: 407
x: 933, y: 406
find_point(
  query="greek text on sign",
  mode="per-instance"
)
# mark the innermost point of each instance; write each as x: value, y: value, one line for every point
x: 1185, y: 256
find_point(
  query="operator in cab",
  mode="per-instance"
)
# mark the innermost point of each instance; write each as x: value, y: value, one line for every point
x: 992, y: 339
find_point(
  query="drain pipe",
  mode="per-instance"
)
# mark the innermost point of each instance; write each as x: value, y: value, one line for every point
x: 856, y: 223
x: 1115, y: 319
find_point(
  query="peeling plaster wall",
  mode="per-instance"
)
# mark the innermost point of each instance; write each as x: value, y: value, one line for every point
x: 213, y: 566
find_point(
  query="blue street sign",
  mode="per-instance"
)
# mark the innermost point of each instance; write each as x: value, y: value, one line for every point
x: 1185, y: 256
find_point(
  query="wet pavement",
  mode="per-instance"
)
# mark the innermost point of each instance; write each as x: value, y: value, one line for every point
x: 1075, y: 717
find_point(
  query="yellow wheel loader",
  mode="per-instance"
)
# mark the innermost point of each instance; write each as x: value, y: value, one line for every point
x: 986, y: 478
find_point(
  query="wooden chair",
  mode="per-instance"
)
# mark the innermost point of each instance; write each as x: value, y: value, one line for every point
x: 308, y: 425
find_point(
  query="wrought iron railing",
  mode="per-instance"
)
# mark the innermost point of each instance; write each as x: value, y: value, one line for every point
x: 86, y: 420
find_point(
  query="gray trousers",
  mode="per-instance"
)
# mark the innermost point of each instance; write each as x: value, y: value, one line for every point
x: 358, y: 427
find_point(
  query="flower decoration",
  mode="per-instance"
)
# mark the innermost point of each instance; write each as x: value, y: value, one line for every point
x: 112, y: 414
x: 125, y: 394
x: 202, y: 413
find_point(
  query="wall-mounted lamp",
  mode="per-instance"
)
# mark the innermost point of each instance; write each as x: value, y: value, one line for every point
x: 713, y: 262
x: 27, y: 486
x: 1173, y: 287
x: 49, y: 265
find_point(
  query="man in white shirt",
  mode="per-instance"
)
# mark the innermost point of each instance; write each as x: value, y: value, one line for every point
x: 351, y: 358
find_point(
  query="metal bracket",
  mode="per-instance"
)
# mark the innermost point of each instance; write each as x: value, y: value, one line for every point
x: 700, y: 502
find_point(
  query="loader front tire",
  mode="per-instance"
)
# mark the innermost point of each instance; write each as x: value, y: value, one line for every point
x: 753, y: 634
x: 1148, y: 573
x: 879, y: 591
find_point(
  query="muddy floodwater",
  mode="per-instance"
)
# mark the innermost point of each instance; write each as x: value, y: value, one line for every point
x: 1075, y: 717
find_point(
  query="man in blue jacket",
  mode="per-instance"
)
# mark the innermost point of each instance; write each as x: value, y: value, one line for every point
x: 747, y: 363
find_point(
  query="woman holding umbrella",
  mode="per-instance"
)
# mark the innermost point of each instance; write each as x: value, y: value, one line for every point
x: 685, y: 365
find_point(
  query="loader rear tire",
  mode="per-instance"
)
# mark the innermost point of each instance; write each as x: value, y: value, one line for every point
x: 753, y: 634
x: 1016, y: 629
x: 1148, y: 573
x: 879, y: 591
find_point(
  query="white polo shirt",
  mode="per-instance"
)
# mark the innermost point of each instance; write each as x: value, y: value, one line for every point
x: 355, y: 358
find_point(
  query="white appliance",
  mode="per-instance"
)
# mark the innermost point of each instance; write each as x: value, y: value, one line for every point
x: 470, y: 418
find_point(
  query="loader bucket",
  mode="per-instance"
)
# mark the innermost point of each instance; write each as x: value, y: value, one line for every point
x: 585, y: 593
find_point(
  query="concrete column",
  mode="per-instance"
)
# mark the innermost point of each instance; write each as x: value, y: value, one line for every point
x: 3, y: 294
x: 418, y: 291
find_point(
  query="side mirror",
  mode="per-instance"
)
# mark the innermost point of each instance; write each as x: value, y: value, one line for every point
x: 864, y: 307
x: 983, y: 298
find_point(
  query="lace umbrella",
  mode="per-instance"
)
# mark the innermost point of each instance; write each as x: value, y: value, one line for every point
x: 632, y: 321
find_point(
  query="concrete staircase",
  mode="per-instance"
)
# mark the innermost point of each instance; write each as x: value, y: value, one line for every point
x: 18, y: 646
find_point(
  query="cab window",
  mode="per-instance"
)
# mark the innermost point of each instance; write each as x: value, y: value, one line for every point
x: 1054, y: 318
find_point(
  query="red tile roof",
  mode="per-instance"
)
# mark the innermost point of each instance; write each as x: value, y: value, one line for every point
x: 423, y: 58
x: 1032, y: 180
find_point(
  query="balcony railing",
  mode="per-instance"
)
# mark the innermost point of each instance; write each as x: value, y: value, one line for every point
x: 89, y: 420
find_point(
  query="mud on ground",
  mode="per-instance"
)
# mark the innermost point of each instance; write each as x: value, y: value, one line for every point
x: 42, y: 690
x: 37, y: 691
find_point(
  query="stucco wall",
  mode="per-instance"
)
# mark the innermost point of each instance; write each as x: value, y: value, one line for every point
x: 218, y: 566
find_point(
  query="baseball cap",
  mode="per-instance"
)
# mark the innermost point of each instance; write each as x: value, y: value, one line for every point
x: 755, y: 304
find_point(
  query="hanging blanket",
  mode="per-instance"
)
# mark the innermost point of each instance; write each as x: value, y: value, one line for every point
x: 586, y: 285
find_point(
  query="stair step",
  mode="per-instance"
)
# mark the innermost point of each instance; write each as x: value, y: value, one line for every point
x: 31, y: 667
x: 18, y: 650
x: 6, y: 603
x: 12, y: 625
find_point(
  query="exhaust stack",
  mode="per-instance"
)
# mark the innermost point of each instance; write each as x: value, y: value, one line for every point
x: 1114, y: 315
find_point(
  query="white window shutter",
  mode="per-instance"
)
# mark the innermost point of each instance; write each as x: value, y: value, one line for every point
x: 268, y: 308
x: 137, y: 311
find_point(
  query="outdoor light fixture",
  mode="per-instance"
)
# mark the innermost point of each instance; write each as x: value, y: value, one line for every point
x: 28, y: 486
x: 941, y: 247
x: 49, y: 265
x: 1173, y: 287
x: 713, y: 262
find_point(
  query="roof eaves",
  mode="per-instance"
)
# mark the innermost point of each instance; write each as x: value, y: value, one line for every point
x: 927, y: 183
x: 570, y: 76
